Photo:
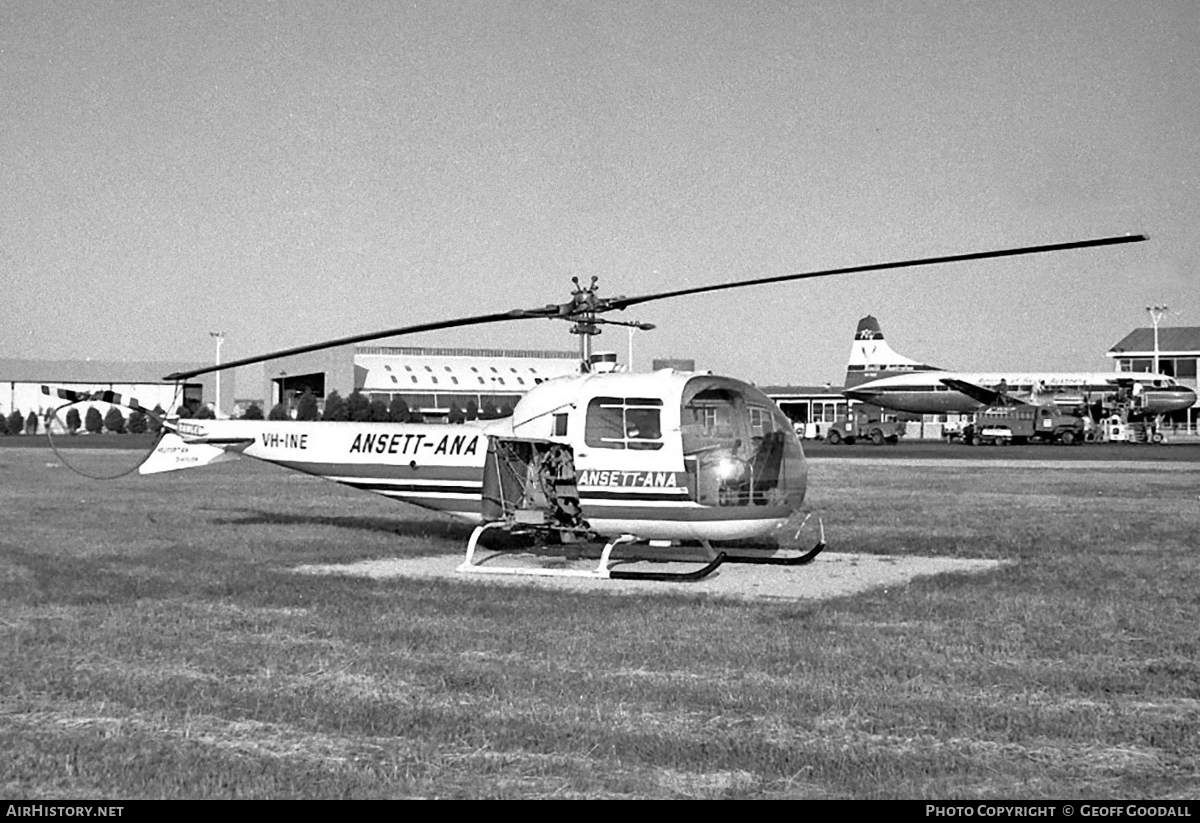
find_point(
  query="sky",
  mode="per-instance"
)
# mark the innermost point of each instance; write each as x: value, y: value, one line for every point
x: 296, y: 171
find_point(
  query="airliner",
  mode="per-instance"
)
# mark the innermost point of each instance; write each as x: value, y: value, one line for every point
x: 879, y: 376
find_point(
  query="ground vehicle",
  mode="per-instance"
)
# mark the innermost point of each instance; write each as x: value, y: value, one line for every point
x: 859, y: 426
x: 1024, y: 423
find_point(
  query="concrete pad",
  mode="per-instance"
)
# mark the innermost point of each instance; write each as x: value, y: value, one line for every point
x: 832, y: 574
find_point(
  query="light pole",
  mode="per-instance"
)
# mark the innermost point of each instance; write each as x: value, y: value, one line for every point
x: 219, y: 336
x: 1156, y: 314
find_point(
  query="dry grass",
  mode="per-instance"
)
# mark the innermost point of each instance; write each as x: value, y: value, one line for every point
x: 155, y: 642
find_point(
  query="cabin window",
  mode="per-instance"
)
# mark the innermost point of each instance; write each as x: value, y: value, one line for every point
x: 624, y: 423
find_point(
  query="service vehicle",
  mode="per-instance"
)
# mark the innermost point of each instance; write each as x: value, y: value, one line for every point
x: 850, y: 430
x: 1024, y: 423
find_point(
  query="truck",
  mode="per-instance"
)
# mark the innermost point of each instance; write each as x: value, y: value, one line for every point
x: 1024, y: 423
x: 857, y: 427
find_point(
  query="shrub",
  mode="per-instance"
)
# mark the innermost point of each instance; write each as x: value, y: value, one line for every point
x: 31, y: 423
x: 335, y: 408
x: 377, y: 412
x: 74, y: 423
x: 358, y: 407
x: 114, y: 421
x: 398, y: 412
x: 136, y: 423
x: 306, y: 406
x: 253, y: 413
x: 92, y: 421
x: 279, y: 412
x: 3, y: 424
x: 206, y: 413
x: 154, y: 419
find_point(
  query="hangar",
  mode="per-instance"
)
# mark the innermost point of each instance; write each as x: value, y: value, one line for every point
x: 431, y: 381
x: 21, y: 384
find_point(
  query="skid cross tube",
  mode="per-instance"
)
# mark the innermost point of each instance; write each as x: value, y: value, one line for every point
x: 602, y: 570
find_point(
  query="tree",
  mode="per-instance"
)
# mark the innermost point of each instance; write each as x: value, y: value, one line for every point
x: 377, y: 412
x: 16, y: 422
x: 74, y: 423
x: 206, y: 413
x: 398, y: 412
x: 31, y: 423
x: 472, y: 410
x: 92, y: 421
x: 253, y: 413
x: 137, y: 422
x: 3, y: 424
x: 184, y: 411
x: 335, y: 408
x: 358, y: 407
x: 154, y: 419
x: 278, y: 412
x: 457, y: 415
x: 306, y: 406
x: 114, y: 421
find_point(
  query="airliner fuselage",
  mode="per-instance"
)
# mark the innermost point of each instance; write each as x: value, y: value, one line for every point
x: 926, y: 392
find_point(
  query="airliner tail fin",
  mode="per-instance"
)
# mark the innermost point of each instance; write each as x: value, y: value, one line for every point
x: 872, y: 358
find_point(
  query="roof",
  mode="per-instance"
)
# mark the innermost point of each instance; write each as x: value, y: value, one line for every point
x: 88, y: 371
x: 425, y: 351
x: 454, y: 373
x: 797, y: 391
x: 1170, y: 339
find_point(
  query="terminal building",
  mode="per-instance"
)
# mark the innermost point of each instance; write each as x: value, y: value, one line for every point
x: 1171, y: 351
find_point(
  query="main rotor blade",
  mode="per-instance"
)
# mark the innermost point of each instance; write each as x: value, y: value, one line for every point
x: 478, y: 320
x: 625, y: 302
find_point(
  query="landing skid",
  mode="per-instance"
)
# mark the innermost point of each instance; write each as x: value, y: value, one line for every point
x: 603, y: 570
x: 770, y: 557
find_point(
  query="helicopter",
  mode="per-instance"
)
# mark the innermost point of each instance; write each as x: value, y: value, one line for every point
x: 659, y: 461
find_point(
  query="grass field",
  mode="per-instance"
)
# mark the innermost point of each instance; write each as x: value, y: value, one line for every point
x: 155, y: 642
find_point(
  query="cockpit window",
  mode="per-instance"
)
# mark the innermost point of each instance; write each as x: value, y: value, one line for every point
x: 624, y: 423
x: 738, y: 448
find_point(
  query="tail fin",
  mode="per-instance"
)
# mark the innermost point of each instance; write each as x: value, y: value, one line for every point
x: 174, y: 453
x: 872, y: 358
